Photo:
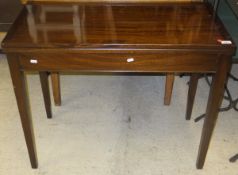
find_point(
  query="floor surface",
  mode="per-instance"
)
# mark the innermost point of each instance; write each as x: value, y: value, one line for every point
x: 114, y: 125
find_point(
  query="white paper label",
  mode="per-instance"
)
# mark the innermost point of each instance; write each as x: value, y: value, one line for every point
x: 130, y: 60
x: 33, y: 61
x: 225, y: 42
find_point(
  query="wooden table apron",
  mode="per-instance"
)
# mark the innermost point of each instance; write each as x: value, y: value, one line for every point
x: 120, y: 61
x: 202, y: 56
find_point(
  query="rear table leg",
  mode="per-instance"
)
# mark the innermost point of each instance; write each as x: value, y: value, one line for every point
x: 55, y: 79
x: 168, y: 88
x: 46, y: 93
x: 191, y: 94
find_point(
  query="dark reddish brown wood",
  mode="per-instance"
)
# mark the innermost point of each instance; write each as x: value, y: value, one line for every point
x: 117, y: 26
x: 179, y: 61
x: 55, y: 79
x: 46, y: 93
x: 191, y: 94
x: 141, y: 38
x: 214, y: 102
x: 20, y: 89
x: 168, y: 88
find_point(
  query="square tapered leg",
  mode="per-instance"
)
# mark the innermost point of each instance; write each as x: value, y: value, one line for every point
x: 21, y: 93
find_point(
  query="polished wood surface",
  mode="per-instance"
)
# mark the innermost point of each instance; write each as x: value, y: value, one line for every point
x: 165, y: 26
x: 191, y: 94
x: 169, y: 83
x: 55, y: 81
x: 121, y: 38
x: 20, y: 89
x: 99, y: 61
x: 46, y: 93
x: 214, y: 102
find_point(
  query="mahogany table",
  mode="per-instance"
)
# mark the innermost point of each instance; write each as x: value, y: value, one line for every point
x: 119, y: 38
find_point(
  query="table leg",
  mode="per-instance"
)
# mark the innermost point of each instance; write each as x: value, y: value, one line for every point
x: 46, y: 92
x: 191, y: 94
x: 214, y: 103
x: 168, y: 88
x: 20, y: 89
x: 55, y: 79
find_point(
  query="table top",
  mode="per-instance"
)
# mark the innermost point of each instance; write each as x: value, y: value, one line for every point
x: 151, y: 26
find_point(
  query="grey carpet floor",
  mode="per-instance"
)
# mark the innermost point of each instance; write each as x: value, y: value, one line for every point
x: 114, y: 125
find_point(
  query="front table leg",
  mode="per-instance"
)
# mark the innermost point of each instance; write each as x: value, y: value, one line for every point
x: 214, y: 103
x: 20, y: 89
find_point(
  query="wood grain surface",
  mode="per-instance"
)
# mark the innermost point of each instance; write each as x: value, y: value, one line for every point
x: 151, y: 26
